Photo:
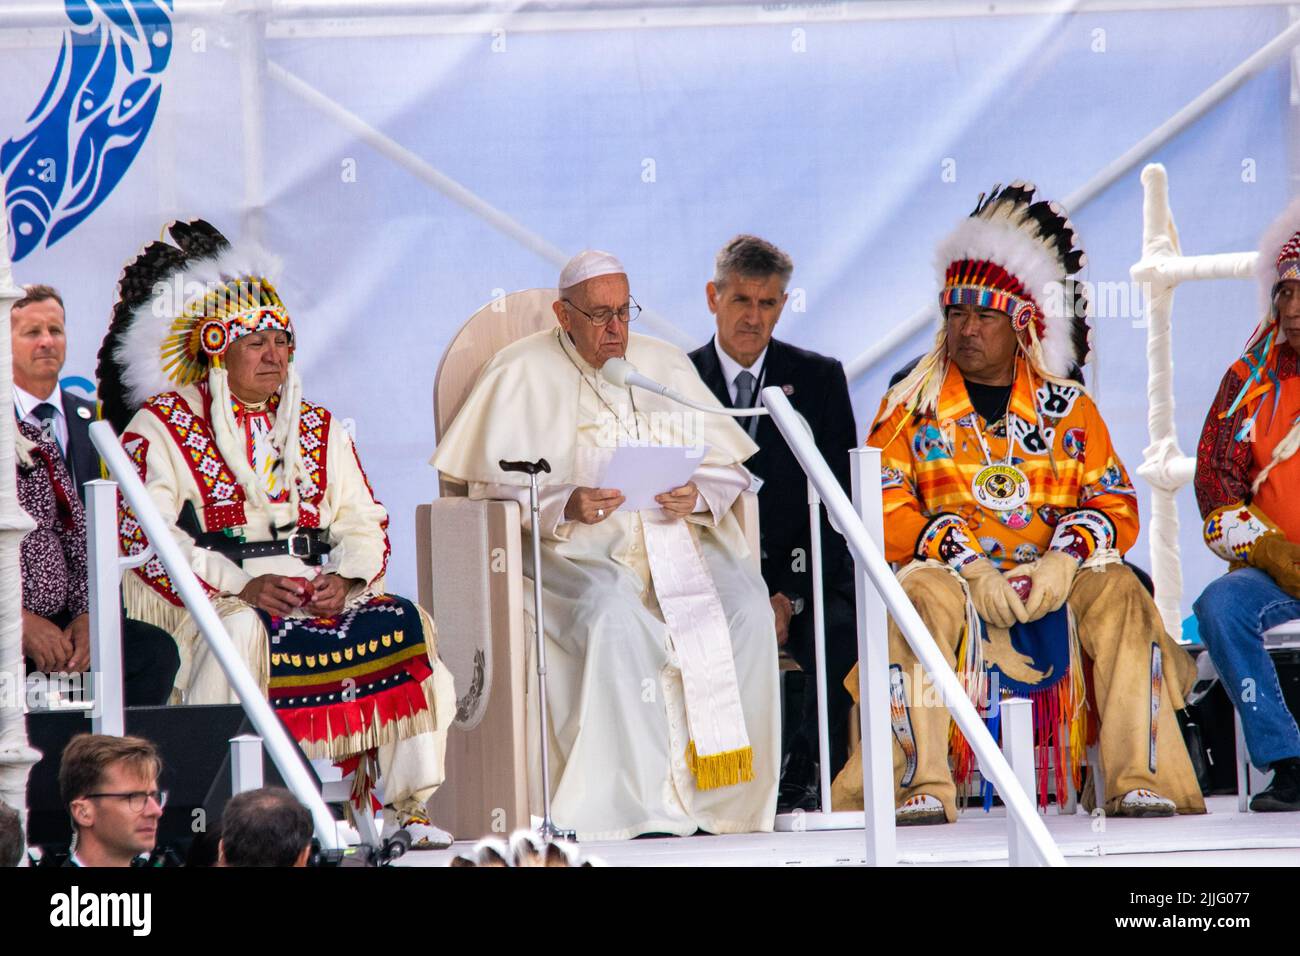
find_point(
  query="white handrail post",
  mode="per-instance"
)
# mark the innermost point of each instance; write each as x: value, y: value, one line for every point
x: 108, y: 715
x: 245, y: 763
x: 873, y: 674
x: 284, y: 751
x: 1018, y: 745
x: 869, y: 558
x: 819, y: 647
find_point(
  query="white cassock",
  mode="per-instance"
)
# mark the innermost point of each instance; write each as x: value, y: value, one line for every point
x: 655, y: 727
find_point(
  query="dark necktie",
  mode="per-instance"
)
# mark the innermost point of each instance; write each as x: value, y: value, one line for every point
x: 745, y: 383
x: 46, y: 412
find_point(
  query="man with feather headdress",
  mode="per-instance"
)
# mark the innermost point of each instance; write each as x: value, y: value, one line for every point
x: 264, y: 492
x: 1009, y: 509
x: 1246, y: 476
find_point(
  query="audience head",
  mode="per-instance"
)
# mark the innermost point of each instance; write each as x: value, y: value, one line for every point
x: 266, y: 827
x: 595, y: 306
x: 525, y: 848
x: 110, y: 787
x: 747, y: 294
x: 11, y: 836
x: 39, y: 340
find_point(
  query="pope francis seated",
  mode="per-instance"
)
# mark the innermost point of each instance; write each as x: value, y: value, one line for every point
x: 661, y: 648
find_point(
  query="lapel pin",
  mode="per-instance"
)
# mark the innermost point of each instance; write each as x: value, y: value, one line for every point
x: 788, y: 389
x: 83, y: 411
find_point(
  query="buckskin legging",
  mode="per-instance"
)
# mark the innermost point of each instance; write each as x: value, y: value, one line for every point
x: 1118, y: 625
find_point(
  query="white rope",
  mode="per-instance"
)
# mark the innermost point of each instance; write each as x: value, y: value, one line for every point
x: 1164, y: 465
x: 16, y: 756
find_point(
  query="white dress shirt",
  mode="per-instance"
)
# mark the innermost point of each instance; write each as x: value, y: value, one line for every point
x: 731, y: 368
x: 25, y: 404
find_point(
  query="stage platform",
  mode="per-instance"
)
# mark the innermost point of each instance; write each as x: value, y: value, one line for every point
x: 1222, y: 837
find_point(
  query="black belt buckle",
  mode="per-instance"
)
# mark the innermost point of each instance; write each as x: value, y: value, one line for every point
x: 300, y: 539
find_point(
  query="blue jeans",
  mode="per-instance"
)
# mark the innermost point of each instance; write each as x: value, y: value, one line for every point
x: 1232, y: 614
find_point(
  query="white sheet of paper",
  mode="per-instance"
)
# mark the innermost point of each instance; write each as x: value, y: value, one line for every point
x: 643, y: 471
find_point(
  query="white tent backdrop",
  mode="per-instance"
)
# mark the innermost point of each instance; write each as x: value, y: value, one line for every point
x: 410, y: 160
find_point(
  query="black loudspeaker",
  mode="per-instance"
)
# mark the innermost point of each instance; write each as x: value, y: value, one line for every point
x: 195, y: 745
x: 1213, y: 712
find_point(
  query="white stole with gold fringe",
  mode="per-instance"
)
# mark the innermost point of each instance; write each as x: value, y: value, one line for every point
x: 719, y: 753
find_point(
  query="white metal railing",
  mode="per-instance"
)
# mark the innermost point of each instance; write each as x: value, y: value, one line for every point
x: 877, y: 770
x: 1028, y: 841
x: 108, y: 568
x: 865, y: 483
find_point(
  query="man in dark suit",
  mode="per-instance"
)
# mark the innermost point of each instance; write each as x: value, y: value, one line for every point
x: 40, y: 347
x: 39, y: 337
x: 746, y: 296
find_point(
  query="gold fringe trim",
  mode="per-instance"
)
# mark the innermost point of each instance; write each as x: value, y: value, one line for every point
x: 722, y: 769
x: 339, y: 674
x: 344, y: 746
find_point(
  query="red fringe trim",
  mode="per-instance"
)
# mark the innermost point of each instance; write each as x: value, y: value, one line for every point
x: 1051, y: 741
x: 330, y: 722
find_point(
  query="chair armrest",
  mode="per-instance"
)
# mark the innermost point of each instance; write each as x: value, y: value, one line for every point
x: 468, y: 563
x: 470, y: 569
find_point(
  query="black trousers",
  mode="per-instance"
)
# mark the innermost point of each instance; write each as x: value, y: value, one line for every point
x: 841, y: 655
x: 150, y: 661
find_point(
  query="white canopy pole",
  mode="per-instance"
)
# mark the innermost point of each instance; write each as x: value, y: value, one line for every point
x: 1197, y: 107
x: 452, y: 189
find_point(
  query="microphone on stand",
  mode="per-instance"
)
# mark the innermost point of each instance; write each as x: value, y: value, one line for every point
x: 623, y: 373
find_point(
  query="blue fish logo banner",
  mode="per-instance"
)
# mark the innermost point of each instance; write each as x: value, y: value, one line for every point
x: 91, y: 121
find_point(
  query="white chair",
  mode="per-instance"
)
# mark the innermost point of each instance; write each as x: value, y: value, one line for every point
x: 469, y: 556
x: 1249, y: 780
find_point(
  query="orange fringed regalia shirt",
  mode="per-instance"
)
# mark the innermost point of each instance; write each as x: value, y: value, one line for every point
x: 1080, y: 497
x: 1251, y: 415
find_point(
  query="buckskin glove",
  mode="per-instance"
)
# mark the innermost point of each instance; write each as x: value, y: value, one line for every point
x: 1050, y: 579
x: 995, y: 600
x: 1280, y: 559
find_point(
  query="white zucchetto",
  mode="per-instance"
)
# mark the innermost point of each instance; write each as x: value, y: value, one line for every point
x: 589, y: 264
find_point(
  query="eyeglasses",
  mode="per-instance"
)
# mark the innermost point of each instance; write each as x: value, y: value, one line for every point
x: 625, y: 315
x: 136, y: 799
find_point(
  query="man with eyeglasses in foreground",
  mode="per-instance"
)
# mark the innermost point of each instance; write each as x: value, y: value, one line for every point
x: 661, y: 647
x: 110, y: 787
